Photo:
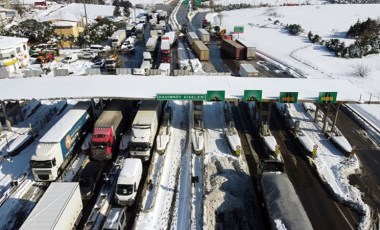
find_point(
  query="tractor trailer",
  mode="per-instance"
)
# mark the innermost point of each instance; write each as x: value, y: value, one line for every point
x: 55, y: 148
x: 59, y: 208
x: 107, y: 130
x: 144, y: 129
x: 280, y: 198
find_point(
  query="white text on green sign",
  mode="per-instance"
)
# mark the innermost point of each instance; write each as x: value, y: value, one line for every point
x: 185, y: 97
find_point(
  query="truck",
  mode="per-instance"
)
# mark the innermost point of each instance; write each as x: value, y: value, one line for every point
x: 59, y: 208
x: 128, y: 182
x: 171, y: 37
x: 108, y: 129
x: 144, y: 129
x: 118, y: 38
x: 280, y: 198
x: 55, y: 148
x: 112, y: 62
x: 201, y: 50
x: 130, y: 30
x: 248, y: 70
x: 160, y: 29
x: 191, y: 37
x: 151, y: 45
x: 249, y: 49
x: 232, y: 49
x: 203, y: 35
x: 155, y: 33
x: 140, y: 29
x: 165, y: 51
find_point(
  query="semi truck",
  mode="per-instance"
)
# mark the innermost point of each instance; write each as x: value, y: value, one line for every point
x: 191, y: 37
x: 59, y: 208
x: 201, y: 50
x: 151, y: 45
x: 248, y: 70
x: 232, y: 50
x: 144, y: 129
x: 118, y: 38
x: 171, y: 37
x: 280, y: 198
x: 107, y: 130
x: 55, y: 148
x: 203, y: 35
x: 165, y: 51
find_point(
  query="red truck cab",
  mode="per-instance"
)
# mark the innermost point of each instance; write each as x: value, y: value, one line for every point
x: 165, y: 51
x: 101, y: 143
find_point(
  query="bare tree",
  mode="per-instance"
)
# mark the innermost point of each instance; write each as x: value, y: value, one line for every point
x: 362, y: 70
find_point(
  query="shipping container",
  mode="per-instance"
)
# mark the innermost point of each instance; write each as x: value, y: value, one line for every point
x: 191, y: 37
x: 201, y: 50
x: 250, y: 50
x: 247, y: 70
x: 203, y: 35
x: 232, y: 50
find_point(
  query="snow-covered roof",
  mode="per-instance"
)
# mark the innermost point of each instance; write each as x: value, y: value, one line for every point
x: 75, y: 12
x: 10, y: 42
x: 63, y: 23
x: 129, y: 86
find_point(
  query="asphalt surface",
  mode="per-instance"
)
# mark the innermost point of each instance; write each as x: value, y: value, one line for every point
x: 368, y: 153
x: 312, y: 192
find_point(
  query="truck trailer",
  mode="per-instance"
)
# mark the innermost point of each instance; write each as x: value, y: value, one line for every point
x: 144, y: 129
x: 55, y: 148
x: 248, y: 70
x: 118, y: 38
x: 191, y: 37
x: 201, y: 50
x: 232, y: 49
x: 280, y: 198
x: 249, y: 49
x: 204, y: 36
x: 59, y: 208
x: 107, y: 130
x: 151, y: 45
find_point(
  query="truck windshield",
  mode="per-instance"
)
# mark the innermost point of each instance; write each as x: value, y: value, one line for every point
x: 124, y: 189
x: 143, y: 146
x: 41, y: 164
x: 99, y: 145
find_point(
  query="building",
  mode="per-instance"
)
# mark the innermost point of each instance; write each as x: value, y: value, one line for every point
x: 13, y: 53
x: 71, y: 20
x: 4, y: 4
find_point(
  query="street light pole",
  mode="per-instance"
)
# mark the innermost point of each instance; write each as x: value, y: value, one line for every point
x: 6, y: 139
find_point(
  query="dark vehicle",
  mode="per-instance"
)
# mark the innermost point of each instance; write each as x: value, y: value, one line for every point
x: 88, y: 179
x: 100, y: 64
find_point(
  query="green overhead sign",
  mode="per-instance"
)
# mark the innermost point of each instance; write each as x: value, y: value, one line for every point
x: 198, y: 2
x: 253, y: 95
x: 238, y: 29
x: 327, y: 97
x: 215, y: 95
x: 185, y: 97
x: 288, y: 97
x: 186, y: 2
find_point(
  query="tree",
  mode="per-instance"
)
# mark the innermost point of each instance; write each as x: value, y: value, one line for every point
x: 294, y: 29
x: 362, y: 70
x: 101, y: 2
x: 126, y: 5
x: 116, y: 12
x: 116, y: 3
x: 310, y: 35
x: 70, y: 38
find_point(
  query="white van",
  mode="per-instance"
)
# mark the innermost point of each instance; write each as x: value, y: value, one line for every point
x: 128, y: 182
x: 116, y: 219
x: 97, y: 48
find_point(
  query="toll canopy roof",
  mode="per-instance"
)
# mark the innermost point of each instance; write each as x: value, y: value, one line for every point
x: 146, y: 87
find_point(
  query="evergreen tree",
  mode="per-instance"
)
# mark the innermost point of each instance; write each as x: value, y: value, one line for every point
x: 116, y: 12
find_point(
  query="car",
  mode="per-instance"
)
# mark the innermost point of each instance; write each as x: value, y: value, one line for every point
x: 89, y: 178
x: 116, y: 219
x: 99, y: 64
x: 129, y: 44
x: 70, y: 59
x: 88, y: 54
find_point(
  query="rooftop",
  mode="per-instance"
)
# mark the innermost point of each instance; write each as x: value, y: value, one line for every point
x: 9, y: 42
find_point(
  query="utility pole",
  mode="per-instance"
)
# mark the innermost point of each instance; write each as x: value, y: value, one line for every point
x: 85, y: 26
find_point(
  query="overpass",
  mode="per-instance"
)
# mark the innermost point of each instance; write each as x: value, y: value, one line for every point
x: 147, y: 87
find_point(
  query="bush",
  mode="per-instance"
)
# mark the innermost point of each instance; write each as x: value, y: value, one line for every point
x: 294, y: 29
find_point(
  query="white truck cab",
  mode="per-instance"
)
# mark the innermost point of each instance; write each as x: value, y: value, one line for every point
x: 128, y: 182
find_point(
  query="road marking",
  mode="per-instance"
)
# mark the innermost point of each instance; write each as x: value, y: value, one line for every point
x: 344, y: 216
